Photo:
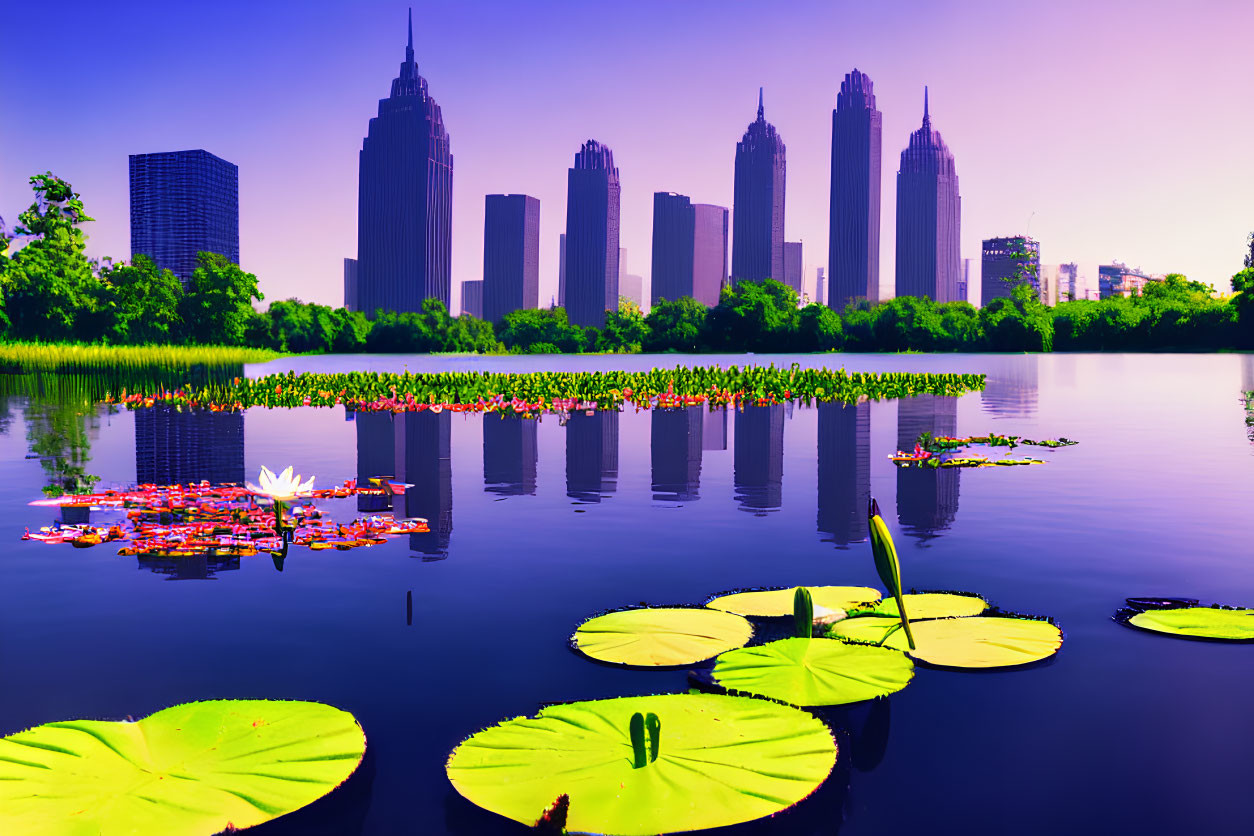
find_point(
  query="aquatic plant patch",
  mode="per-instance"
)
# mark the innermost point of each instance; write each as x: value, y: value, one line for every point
x: 1192, y: 622
x: 945, y: 451
x: 813, y: 672
x: 704, y: 761
x: 660, y: 637
x: 974, y: 642
x: 191, y: 770
x: 774, y: 603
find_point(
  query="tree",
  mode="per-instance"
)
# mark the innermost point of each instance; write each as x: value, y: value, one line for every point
x: 819, y: 329
x: 624, y: 331
x: 675, y: 326
x: 1017, y: 323
x: 217, y: 306
x: 146, y: 302
x: 754, y: 316
x: 907, y: 323
x: 526, y: 327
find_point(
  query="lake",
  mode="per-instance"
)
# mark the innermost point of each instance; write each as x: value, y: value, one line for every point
x: 536, y: 525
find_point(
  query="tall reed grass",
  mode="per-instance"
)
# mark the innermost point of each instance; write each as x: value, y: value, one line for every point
x: 75, y: 357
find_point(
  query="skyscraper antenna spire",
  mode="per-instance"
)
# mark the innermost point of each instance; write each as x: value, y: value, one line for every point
x: 760, y: 110
x: 927, y: 119
x: 409, y: 50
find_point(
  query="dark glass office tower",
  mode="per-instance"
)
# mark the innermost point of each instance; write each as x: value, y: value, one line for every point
x: 689, y: 249
x: 853, y: 243
x: 183, y: 203
x: 758, y: 208
x: 174, y: 447
x: 675, y: 449
x: 927, y: 498
x: 405, y: 199
x: 844, y: 461
x: 511, y: 254
x: 591, y: 455
x: 758, y: 460
x: 592, y: 203
x: 509, y: 455
x: 929, y: 213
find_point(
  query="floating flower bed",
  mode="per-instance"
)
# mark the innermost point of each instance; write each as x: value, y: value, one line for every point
x: 934, y: 451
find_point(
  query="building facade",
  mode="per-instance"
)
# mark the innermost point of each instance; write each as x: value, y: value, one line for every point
x: 964, y: 283
x: 183, y: 203
x: 1007, y: 262
x: 820, y: 287
x: 793, y: 265
x: 929, y: 216
x: 758, y: 207
x: 472, y: 298
x: 561, y: 270
x: 592, y: 228
x: 350, y: 284
x: 405, y: 199
x: 511, y: 254
x: 1118, y: 279
x: 853, y: 248
x: 689, y: 249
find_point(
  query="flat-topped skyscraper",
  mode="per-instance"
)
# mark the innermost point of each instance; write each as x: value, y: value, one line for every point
x: 592, y: 206
x: 853, y: 249
x: 929, y: 214
x: 405, y: 199
x: 511, y: 254
x: 758, y: 208
x: 183, y: 203
x: 689, y: 249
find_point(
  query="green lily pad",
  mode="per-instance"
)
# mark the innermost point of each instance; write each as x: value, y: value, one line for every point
x: 924, y: 605
x: 814, y: 671
x: 1199, y: 622
x: 976, y: 642
x: 720, y: 760
x: 662, y: 636
x: 197, y: 768
x: 768, y: 603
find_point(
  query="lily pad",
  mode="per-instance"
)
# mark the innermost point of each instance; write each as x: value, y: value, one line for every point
x: 196, y: 768
x: 1198, y: 623
x: 814, y: 671
x: 720, y: 761
x: 769, y: 603
x: 923, y: 605
x: 662, y: 636
x: 976, y: 642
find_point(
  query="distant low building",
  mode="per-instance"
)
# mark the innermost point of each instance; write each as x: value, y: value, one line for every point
x: 1007, y: 262
x: 820, y: 287
x: 793, y: 265
x: 472, y: 298
x: 1117, y: 279
x: 964, y: 283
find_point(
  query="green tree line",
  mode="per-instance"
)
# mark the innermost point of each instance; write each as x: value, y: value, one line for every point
x: 50, y: 291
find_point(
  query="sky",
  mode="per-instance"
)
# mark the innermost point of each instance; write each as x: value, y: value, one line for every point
x: 1106, y: 130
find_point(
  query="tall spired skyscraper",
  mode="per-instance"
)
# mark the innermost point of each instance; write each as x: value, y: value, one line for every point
x: 405, y: 199
x: 758, y: 210
x: 929, y: 213
x: 592, y: 200
x: 853, y: 243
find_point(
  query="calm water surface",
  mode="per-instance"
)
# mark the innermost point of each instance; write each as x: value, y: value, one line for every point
x: 536, y: 525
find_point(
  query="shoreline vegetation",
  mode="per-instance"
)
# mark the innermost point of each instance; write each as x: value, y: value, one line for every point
x: 51, y: 293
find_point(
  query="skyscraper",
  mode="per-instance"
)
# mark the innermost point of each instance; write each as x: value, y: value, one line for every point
x: 793, y: 265
x: 405, y: 199
x: 758, y: 208
x: 592, y: 203
x: 689, y: 249
x: 472, y: 298
x: 1006, y: 262
x: 511, y: 254
x: 561, y: 270
x: 183, y: 203
x: 350, y: 284
x: 853, y: 243
x: 929, y: 212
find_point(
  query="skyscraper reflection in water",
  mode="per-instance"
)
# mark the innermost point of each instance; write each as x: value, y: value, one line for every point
x: 1247, y: 392
x: 592, y: 455
x: 675, y: 448
x: 191, y: 568
x: 927, y: 498
x: 759, y: 458
x: 175, y: 447
x: 844, y: 463
x: 412, y: 447
x: 1011, y: 386
x: 509, y: 455
x: 376, y: 456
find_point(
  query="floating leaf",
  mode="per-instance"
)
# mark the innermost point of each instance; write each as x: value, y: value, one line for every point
x: 724, y: 760
x: 768, y: 603
x: 813, y: 671
x: 660, y: 637
x: 923, y: 605
x: 197, y: 768
x: 977, y: 642
x: 1198, y: 622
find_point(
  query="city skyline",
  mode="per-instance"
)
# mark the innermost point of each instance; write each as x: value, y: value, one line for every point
x: 279, y: 125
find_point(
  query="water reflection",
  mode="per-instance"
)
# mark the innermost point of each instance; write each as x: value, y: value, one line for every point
x: 759, y: 458
x: 675, y: 447
x: 192, y: 568
x: 509, y: 455
x: 376, y: 456
x: 175, y: 447
x: 592, y: 455
x: 1247, y: 392
x: 1010, y: 390
x: 714, y: 430
x: 844, y: 464
x: 927, y: 498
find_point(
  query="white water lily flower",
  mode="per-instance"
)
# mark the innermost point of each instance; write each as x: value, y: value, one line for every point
x: 282, y: 488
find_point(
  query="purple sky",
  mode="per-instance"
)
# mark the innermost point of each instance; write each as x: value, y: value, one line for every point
x: 1124, y: 126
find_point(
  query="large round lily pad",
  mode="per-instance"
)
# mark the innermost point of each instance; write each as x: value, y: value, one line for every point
x: 923, y: 605
x: 814, y: 671
x: 768, y: 603
x: 976, y: 642
x: 720, y: 760
x: 1198, y: 623
x: 198, y: 768
x: 662, y: 636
